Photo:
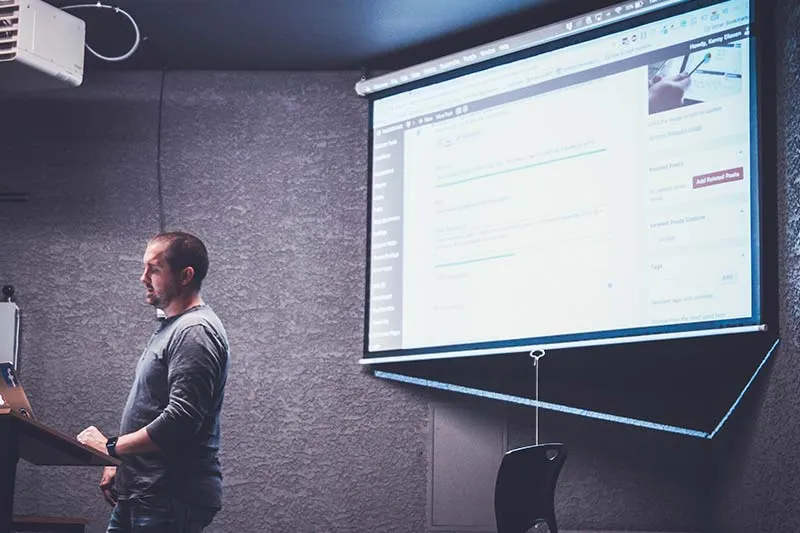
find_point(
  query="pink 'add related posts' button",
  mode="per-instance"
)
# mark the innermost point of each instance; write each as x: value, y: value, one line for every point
x: 715, y: 178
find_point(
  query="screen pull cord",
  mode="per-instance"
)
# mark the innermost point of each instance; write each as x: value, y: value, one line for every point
x: 537, y: 354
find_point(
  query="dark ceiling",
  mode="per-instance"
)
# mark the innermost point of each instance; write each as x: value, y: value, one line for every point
x: 309, y: 34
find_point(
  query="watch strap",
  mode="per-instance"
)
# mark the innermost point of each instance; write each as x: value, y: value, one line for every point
x: 111, y: 447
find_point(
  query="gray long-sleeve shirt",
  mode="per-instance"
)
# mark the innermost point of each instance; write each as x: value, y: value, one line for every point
x: 177, y: 396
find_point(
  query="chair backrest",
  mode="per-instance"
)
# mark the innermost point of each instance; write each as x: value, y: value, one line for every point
x: 525, y: 488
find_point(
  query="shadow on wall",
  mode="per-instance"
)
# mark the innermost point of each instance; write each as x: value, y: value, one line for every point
x: 66, y: 183
x: 616, y: 477
x: 735, y: 442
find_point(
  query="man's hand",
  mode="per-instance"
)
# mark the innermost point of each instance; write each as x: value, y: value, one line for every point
x: 667, y: 93
x: 92, y: 438
x: 107, y: 484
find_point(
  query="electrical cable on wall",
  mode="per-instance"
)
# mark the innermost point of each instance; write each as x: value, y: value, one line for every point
x: 137, y: 39
x: 161, y: 215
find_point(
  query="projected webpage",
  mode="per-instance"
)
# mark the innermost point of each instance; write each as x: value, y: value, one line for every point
x: 603, y: 187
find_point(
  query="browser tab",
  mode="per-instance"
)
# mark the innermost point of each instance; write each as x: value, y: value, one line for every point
x: 610, y: 15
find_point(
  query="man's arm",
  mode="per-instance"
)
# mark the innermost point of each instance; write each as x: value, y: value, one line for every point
x: 130, y: 444
x: 136, y: 443
x: 195, y: 368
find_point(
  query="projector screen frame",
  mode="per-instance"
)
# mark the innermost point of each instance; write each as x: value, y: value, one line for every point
x: 762, y: 80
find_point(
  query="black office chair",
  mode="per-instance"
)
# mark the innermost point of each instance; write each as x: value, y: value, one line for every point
x: 525, y: 488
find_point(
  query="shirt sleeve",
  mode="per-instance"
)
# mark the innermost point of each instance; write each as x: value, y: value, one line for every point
x: 195, y: 368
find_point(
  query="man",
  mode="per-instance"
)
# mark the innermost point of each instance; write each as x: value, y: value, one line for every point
x: 170, y: 480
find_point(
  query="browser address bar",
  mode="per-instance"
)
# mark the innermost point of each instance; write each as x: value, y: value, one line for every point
x: 585, y: 22
x: 481, y: 85
x: 493, y: 81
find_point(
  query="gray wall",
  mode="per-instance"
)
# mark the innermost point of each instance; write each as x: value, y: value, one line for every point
x: 759, y: 471
x: 269, y: 169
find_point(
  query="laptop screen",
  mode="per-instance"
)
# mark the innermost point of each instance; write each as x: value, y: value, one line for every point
x: 11, y: 392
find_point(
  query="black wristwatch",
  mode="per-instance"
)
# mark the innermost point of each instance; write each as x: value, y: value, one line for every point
x: 111, y: 447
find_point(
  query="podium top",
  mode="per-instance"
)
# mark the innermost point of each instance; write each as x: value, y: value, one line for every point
x: 42, y: 445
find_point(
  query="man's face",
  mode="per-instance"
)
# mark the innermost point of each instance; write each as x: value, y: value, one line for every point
x: 161, y: 284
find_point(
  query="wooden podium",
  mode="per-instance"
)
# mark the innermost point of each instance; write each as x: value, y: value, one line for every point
x: 31, y: 440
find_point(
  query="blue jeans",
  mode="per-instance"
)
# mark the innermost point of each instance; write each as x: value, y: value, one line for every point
x: 153, y: 514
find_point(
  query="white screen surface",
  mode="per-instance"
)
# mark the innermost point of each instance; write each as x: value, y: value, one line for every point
x: 598, y: 191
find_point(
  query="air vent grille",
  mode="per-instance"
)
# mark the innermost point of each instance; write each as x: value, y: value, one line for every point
x: 9, y: 29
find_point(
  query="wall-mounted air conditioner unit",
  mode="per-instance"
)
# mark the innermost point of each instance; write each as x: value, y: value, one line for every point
x: 41, y: 46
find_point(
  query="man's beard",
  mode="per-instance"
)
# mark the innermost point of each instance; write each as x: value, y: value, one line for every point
x: 160, y: 301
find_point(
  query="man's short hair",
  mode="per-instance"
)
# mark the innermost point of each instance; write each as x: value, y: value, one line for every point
x: 185, y: 250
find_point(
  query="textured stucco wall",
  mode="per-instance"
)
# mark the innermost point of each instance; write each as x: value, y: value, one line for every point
x: 269, y: 169
x: 759, y: 478
x: 87, y: 160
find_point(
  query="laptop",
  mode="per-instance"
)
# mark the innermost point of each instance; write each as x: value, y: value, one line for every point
x: 12, y: 395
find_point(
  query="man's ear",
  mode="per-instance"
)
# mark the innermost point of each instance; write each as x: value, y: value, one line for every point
x: 187, y: 275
